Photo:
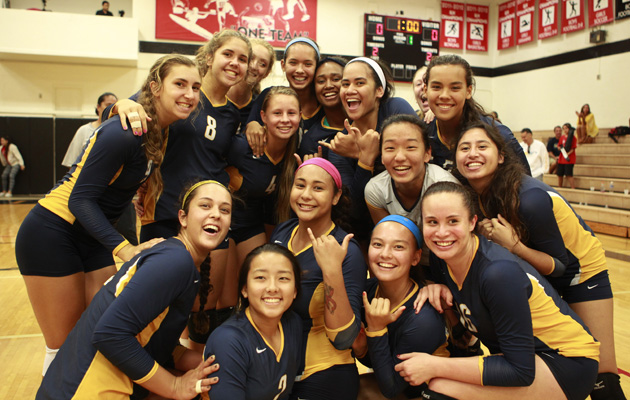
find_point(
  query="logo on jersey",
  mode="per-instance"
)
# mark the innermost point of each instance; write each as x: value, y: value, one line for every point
x: 259, y: 351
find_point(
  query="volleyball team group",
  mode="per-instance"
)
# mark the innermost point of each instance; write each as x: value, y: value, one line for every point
x: 288, y: 233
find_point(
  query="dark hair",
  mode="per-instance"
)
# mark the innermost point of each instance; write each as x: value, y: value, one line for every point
x: 206, y: 52
x: 200, y: 320
x: 289, y: 164
x: 104, y: 2
x: 557, y: 126
x: 334, y: 59
x: 589, y: 108
x: 101, y: 99
x: 7, y: 138
x: 389, y: 89
x: 527, y: 130
x: 568, y: 125
x: 502, y: 194
x: 286, y: 50
x: 466, y: 193
x: 153, y: 140
x: 243, y: 302
x: 409, y: 119
x: 472, y: 110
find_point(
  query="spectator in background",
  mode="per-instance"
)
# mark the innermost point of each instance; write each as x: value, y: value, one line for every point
x: 586, y: 127
x: 85, y: 132
x: 495, y: 115
x: 12, y: 162
x: 567, y: 145
x: 536, y: 154
x: 553, y: 150
x: 105, y: 10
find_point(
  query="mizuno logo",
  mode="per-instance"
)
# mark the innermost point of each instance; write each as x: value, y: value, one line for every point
x: 260, y: 350
x: 599, y: 385
x: 589, y: 287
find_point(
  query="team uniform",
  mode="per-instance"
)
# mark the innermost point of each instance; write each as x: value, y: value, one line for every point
x: 74, y: 220
x: 424, y: 332
x: 554, y: 228
x: 128, y: 330
x: 516, y: 313
x: 328, y: 370
x: 254, y: 181
x: 444, y: 156
x: 244, y: 111
x: 380, y: 192
x: 196, y: 150
x: 250, y: 368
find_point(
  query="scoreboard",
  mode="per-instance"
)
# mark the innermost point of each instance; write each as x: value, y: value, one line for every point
x: 406, y: 44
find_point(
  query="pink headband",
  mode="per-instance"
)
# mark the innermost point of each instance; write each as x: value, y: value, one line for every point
x: 326, y: 166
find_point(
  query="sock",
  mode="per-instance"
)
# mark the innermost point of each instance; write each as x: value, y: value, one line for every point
x: 50, y: 356
x: 607, y: 387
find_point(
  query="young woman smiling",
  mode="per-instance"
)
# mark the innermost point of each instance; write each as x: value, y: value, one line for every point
x: 129, y: 335
x: 72, y: 226
x: 332, y: 282
x: 530, y: 219
x: 539, y: 348
x: 260, y: 347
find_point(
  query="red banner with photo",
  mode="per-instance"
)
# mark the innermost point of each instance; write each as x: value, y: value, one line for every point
x: 507, y: 11
x: 600, y: 12
x: 477, y: 27
x: 622, y: 8
x: 276, y: 21
x: 525, y: 21
x: 547, y: 18
x: 452, y: 34
x: 572, y: 16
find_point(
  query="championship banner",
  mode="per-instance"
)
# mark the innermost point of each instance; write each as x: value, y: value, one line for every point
x: 525, y: 21
x: 452, y: 35
x: 507, y: 11
x: 197, y: 20
x: 600, y: 12
x: 572, y: 16
x: 477, y: 27
x: 623, y: 9
x: 547, y: 18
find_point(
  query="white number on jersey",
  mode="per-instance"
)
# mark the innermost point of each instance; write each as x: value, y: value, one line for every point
x: 464, y: 312
x: 211, y: 129
x: 272, y: 186
x: 281, y: 386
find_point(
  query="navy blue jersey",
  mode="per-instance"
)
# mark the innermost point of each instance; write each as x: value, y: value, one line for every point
x: 554, y: 228
x: 253, y: 179
x: 244, y: 111
x: 132, y: 325
x: 444, y: 156
x: 98, y: 188
x: 424, y: 332
x: 393, y: 106
x: 250, y: 367
x: 317, y: 132
x: 552, y: 146
x: 196, y: 150
x: 323, y: 347
x: 516, y: 313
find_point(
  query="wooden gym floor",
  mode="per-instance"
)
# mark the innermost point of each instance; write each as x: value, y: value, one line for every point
x: 22, y: 344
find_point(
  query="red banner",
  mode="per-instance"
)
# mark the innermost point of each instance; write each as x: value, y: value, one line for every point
x: 600, y: 12
x: 572, y: 16
x: 547, y: 18
x: 525, y: 20
x: 452, y: 35
x: 477, y: 27
x: 197, y: 20
x: 506, y: 25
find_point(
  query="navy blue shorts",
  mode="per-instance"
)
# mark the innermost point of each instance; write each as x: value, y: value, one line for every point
x: 575, y: 375
x: 166, y: 229
x: 596, y: 287
x: 339, y: 382
x: 47, y: 245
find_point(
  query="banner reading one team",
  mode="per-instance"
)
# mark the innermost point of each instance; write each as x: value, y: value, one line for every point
x: 452, y: 36
x: 600, y: 12
x: 572, y: 16
x: 477, y: 27
x: 525, y: 21
x: 506, y: 24
x: 276, y: 21
x: 547, y: 18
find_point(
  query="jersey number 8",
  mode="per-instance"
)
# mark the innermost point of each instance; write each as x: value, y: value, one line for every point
x: 211, y: 129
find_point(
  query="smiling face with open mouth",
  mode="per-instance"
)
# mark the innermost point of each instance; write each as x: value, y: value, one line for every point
x: 270, y: 287
x: 392, y: 252
x: 299, y: 65
x: 328, y: 83
x: 359, y: 94
x: 178, y: 95
x: 281, y: 116
x: 313, y: 194
x: 228, y: 65
x: 477, y: 158
x: 447, y: 92
x: 403, y: 153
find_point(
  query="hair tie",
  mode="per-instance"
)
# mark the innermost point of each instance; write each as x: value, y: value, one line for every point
x: 407, y: 223
x: 326, y: 166
x: 374, y: 65
x: 196, y: 185
x: 306, y: 40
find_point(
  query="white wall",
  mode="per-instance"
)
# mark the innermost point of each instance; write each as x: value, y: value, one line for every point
x: 539, y: 99
x: 78, y: 7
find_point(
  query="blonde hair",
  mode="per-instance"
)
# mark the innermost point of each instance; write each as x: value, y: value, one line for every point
x: 272, y: 59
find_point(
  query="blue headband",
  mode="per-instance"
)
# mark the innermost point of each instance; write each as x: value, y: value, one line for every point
x: 407, y: 223
x: 306, y: 40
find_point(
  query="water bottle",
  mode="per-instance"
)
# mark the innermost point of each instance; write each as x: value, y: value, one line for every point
x: 602, y: 188
x: 612, y: 186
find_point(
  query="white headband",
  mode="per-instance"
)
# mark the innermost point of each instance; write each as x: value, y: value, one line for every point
x: 374, y: 65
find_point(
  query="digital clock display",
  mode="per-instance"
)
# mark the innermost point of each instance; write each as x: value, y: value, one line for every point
x: 405, y: 44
